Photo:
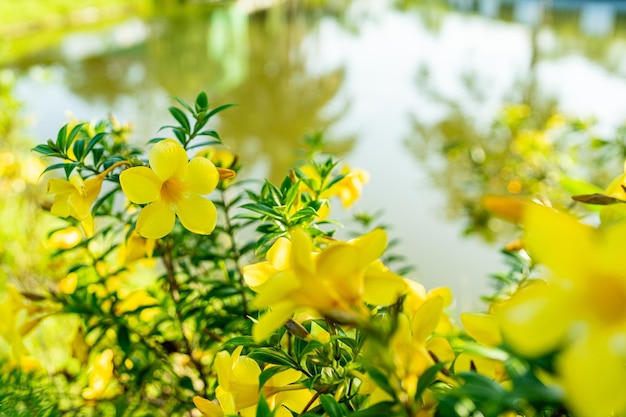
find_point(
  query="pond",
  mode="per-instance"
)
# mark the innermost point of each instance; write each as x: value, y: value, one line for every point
x: 382, y: 79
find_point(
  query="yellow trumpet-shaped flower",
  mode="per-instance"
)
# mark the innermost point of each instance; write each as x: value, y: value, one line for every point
x: 335, y: 282
x: 579, y: 311
x: 172, y: 187
x: 74, y: 198
x: 238, y: 390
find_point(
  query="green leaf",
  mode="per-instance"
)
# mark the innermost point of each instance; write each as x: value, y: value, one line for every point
x: 205, y: 143
x: 270, y: 372
x: 44, y: 149
x: 184, y: 104
x: 219, y: 109
x: 79, y: 149
x: 72, y: 135
x: 94, y: 141
x: 123, y: 339
x: 377, y: 410
x: 268, y: 355
x: 202, y: 102
x: 61, y: 138
x: 69, y: 168
x: 262, y: 408
x: 53, y: 167
x: 331, y: 406
x: 211, y: 133
x: 245, y: 341
x: 576, y: 186
x: 180, y: 117
x: 380, y: 379
x: 427, y: 378
x: 262, y: 209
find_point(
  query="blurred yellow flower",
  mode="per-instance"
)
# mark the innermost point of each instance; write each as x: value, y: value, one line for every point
x: 75, y: 197
x: 580, y: 310
x: 335, y: 282
x: 66, y: 238
x: 135, y: 247
x: 238, y: 389
x: 100, y: 374
x: 172, y: 187
x: 350, y: 187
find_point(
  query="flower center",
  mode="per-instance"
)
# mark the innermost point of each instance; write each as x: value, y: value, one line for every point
x: 172, y: 191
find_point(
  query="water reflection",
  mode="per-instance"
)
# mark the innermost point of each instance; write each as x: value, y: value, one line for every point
x: 257, y: 61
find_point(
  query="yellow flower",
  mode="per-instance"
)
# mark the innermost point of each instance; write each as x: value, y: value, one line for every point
x: 580, y: 310
x: 349, y: 188
x: 100, y: 374
x: 75, y: 197
x: 172, y: 186
x: 335, y: 282
x: 238, y: 390
x: 13, y: 324
x: 413, y: 344
x: 66, y: 238
x: 135, y: 247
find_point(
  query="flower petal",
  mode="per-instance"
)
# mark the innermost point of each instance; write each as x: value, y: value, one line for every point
x: 60, y: 186
x: 279, y: 253
x: 301, y: 252
x: 168, y: 159
x: 371, y: 245
x: 276, y: 289
x: 140, y: 184
x: 155, y: 220
x: 558, y: 240
x: 257, y: 274
x: 482, y: 327
x: 382, y: 287
x: 197, y: 214
x: 534, y: 321
x: 201, y: 177
x: 60, y: 206
x: 427, y: 318
x: 594, y: 378
x: 272, y: 320
x: 208, y: 408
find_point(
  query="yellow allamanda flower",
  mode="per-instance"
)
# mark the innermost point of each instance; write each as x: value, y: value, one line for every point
x: 238, y: 389
x: 580, y: 310
x: 414, y: 347
x: 336, y: 282
x: 74, y: 198
x: 172, y: 187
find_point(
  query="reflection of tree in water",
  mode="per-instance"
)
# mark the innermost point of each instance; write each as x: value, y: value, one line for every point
x: 257, y: 61
x: 528, y: 149
x: 280, y: 102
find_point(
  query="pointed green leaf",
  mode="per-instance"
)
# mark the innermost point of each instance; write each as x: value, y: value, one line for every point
x: 202, y: 102
x: 180, y: 117
x: 331, y: 406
